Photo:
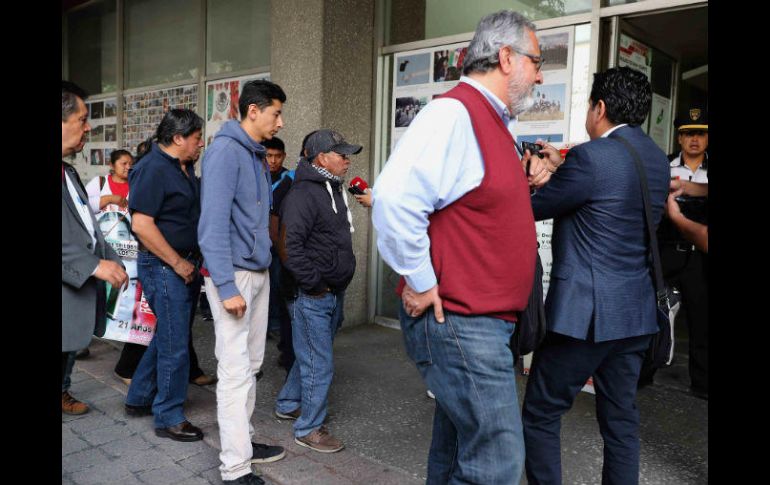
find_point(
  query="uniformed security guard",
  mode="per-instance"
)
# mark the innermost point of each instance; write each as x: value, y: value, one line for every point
x: 684, y: 266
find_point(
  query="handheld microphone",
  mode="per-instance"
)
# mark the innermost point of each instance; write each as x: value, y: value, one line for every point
x: 358, y: 186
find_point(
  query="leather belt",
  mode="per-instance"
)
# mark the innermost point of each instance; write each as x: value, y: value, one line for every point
x: 194, y: 254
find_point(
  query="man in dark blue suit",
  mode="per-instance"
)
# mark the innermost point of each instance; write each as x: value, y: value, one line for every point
x: 600, y: 306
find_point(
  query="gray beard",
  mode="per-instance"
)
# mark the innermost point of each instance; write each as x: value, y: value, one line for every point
x: 520, y: 95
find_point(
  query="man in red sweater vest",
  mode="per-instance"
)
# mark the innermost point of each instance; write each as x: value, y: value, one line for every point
x: 454, y: 218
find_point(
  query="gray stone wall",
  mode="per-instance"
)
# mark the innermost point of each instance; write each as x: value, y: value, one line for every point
x: 323, y: 57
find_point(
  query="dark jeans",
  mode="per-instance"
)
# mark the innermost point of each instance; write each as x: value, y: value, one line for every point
x: 278, y: 313
x: 688, y: 271
x: 161, y: 378
x: 67, y: 362
x: 560, y: 368
x: 468, y: 364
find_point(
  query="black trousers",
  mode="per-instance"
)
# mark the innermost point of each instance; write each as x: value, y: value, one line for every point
x: 132, y: 354
x: 560, y: 368
x: 688, y: 272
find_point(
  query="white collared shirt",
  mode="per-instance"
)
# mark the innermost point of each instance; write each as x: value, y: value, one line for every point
x: 680, y: 169
x: 608, y: 132
x: 83, y: 209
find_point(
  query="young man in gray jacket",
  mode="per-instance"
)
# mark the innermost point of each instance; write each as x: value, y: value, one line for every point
x: 233, y: 237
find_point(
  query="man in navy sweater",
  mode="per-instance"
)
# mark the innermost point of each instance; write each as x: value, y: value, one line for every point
x: 234, y: 240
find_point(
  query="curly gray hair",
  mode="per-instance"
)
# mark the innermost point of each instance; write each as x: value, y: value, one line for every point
x: 496, y: 30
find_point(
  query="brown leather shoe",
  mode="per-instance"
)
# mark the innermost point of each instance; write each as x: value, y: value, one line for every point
x: 204, y: 380
x: 320, y: 440
x: 183, y: 431
x: 70, y: 405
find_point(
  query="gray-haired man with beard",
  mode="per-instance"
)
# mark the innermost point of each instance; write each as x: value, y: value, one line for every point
x: 462, y: 234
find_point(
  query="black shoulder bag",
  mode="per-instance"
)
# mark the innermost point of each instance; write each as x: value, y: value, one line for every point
x: 530, y: 327
x: 661, y: 351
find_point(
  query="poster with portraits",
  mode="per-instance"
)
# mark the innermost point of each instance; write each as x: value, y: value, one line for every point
x: 93, y: 160
x: 129, y: 317
x: 222, y: 98
x: 143, y: 111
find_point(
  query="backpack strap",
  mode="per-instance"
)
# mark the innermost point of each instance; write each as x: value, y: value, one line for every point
x: 102, y: 181
x: 288, y: 173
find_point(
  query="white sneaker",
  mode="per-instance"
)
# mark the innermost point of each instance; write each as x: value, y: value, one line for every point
x: 431, y: 395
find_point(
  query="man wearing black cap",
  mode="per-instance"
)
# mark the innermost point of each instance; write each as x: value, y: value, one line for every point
x: 685, y: 265
x: 693, y: 136
x: 316, y: 247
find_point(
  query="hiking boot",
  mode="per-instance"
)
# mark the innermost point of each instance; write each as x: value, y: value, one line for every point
x: 320, y: 440
x: 290, y: 415
x: 70, y: 405
x: 266, y: 453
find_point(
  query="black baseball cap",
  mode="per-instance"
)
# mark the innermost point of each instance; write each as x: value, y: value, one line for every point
x: 324, y: 141
x: 693, y: 119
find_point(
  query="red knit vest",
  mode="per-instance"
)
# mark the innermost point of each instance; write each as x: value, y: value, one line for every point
x: 483, y: 245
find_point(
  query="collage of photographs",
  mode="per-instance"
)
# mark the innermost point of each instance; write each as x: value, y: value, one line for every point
x: 100, y: 141
x: 104, y: 135
x: 423, y: 75
x: 143, y: 111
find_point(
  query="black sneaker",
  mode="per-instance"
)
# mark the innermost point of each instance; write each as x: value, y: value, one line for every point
x: 266, y: 453
x: 249, y: 479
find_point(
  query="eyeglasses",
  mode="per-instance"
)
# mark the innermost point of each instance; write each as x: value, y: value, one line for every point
x: 538, y: 60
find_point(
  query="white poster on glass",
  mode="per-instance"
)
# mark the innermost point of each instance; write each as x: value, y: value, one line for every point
x: 634, y: 54
x: 660, y: 121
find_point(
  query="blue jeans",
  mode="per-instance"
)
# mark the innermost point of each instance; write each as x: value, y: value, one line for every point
x: 162, y: 375
x: 468, y: 364
x: 314, y: 324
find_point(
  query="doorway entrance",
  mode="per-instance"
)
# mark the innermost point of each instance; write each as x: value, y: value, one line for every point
x: 671, y: 48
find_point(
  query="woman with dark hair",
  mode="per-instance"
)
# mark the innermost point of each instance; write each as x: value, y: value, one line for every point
x: 165, y: 208
x: 112, y: 189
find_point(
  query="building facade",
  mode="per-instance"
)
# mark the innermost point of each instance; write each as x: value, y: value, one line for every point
x: 364, y: 68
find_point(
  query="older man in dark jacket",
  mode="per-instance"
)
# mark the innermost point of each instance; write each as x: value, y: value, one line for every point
x: 317, y: 248
x: 87, y: 262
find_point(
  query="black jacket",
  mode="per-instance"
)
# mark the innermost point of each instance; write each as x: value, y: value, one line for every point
x: 317, y: 245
